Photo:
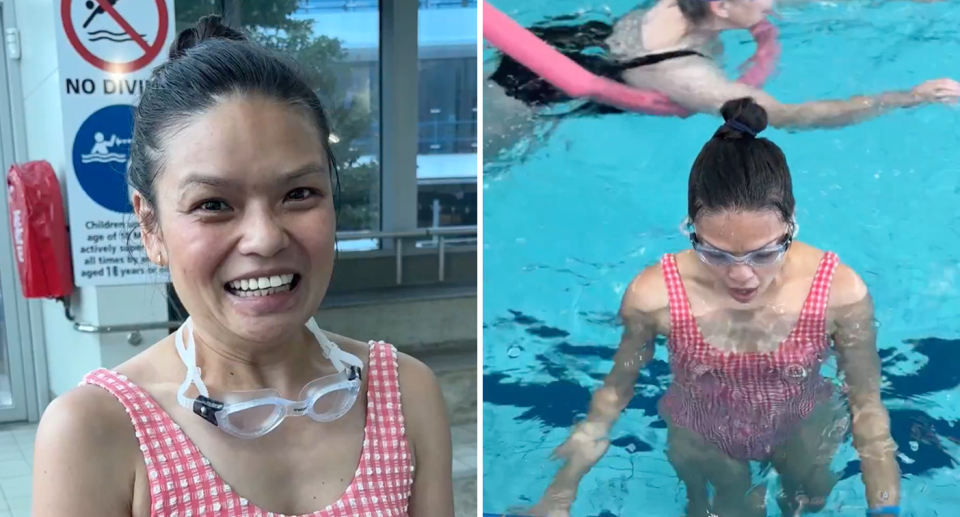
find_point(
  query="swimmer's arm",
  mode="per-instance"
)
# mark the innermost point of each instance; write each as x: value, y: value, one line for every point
x: 855, y: 340
x: 428, y: 432
x: 85, y: 458
x: 641, y: 301
x: 589, y: 441
x: 702, y: 87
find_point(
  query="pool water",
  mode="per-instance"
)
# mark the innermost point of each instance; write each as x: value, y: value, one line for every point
x: 567, y: 227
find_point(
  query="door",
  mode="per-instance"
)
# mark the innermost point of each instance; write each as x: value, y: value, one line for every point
x: 14, y: 331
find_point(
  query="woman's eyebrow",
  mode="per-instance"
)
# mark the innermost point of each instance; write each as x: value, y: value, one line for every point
x: 216, y: 181
x: 305, y: 170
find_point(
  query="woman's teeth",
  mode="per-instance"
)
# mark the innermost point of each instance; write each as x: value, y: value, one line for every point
x: 262, y: 286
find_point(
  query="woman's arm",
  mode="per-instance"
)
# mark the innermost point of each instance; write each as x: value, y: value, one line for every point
x: 85, y: 458
x: 701, y: 86
x: 428, y: 430
x: 855, y: 340
x: 645, y: 296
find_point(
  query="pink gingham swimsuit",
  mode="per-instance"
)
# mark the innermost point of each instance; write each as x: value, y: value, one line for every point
x: 183, y: 484
x: 746, y: 403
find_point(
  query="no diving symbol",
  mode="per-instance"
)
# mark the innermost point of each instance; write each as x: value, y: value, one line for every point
x: 116, y: 36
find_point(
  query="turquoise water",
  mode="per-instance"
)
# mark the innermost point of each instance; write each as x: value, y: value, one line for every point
x: 568, y: 227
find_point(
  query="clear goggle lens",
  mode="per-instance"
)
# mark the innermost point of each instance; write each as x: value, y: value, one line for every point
x: 760, y: 258
x: 255, y: 413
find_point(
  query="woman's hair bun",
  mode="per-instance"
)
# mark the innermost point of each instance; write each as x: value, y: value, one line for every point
x: 207, y: 28
x: 744, y: 118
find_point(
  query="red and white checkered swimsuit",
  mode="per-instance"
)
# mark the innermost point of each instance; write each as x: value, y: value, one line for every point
x: 183, y: 484
x: 746, y: 403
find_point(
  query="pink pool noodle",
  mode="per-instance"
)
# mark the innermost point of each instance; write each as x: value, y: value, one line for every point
x: 562, y: 72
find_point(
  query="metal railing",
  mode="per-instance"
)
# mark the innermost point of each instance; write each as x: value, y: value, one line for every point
x: 435, y: 137
x: 447, y: 136
x: 442, y: 235
x: 311, y: 6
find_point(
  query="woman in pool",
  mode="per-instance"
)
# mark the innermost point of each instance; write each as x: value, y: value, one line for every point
x: 749, y: 315
x: 210, y: 420
x: 673, y: 48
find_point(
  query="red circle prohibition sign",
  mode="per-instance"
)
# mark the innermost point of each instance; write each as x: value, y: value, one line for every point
x: 150, y: 52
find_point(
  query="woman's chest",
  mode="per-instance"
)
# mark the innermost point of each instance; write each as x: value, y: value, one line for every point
x: 299, y: 468
x: 764, y: 330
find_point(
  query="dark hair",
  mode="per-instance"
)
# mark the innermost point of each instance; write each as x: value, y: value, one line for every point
x: 207, y: 63
x: 694, y: 10
x: 737, y: 171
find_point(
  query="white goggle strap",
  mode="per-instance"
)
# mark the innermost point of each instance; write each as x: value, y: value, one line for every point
x: 337, y: 356
x: 188, y: 354
x: 685, y: 226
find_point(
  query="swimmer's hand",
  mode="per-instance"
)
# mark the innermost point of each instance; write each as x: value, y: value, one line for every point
x: 587, y: 443
x: 942, y: 91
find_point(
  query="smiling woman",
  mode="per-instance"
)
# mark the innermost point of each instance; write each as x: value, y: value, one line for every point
x: 235, y: 189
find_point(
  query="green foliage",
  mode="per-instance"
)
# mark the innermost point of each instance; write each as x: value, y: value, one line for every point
x: 323, y: 58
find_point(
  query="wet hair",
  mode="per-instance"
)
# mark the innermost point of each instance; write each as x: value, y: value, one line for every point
x: 207, y: 64
x: 737, y: 171
x: 694, y: 10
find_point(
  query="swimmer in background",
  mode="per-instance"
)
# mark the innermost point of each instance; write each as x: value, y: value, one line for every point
x: 750, y: 316
x: 672, y: 48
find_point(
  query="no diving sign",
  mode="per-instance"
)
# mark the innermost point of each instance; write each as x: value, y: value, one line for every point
x: 116, y: 36
x: 106, y: 52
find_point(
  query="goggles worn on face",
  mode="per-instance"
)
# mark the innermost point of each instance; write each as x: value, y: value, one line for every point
x: 763, y: 257
x: 254, y: 413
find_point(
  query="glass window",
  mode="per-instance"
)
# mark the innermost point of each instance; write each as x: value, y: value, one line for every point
x: 447, y: 119
x: 187, y: 12
x: 337, y: 42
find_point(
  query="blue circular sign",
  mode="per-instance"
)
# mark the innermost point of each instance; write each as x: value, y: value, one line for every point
x: 101, y: 151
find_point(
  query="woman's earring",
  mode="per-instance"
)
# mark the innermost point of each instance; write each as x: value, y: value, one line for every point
x: 160, y: 259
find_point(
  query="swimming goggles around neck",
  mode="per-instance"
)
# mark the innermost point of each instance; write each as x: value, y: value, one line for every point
x: 760, y: 258
x: 254, y: 413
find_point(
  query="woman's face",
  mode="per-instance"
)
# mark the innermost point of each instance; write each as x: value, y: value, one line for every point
x: 245, y: 218
x: 742, y: 14
x: 738, y: 234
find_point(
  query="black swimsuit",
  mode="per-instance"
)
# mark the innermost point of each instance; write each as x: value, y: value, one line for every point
x: 573, y: 41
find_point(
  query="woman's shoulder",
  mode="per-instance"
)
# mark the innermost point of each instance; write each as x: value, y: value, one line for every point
x: 647, y: 292
x: 85, y: 431
x: 87, y: 414
x: 846, y: 286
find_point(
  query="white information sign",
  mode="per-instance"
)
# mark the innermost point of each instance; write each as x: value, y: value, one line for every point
x: 106, y: 50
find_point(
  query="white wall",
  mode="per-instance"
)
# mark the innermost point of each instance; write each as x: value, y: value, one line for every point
x: 70, y: 354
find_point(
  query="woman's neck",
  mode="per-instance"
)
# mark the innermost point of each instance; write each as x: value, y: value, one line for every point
x: 285, y: 365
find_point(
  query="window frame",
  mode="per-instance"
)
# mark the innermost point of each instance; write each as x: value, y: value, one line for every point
x: 398, y: 125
